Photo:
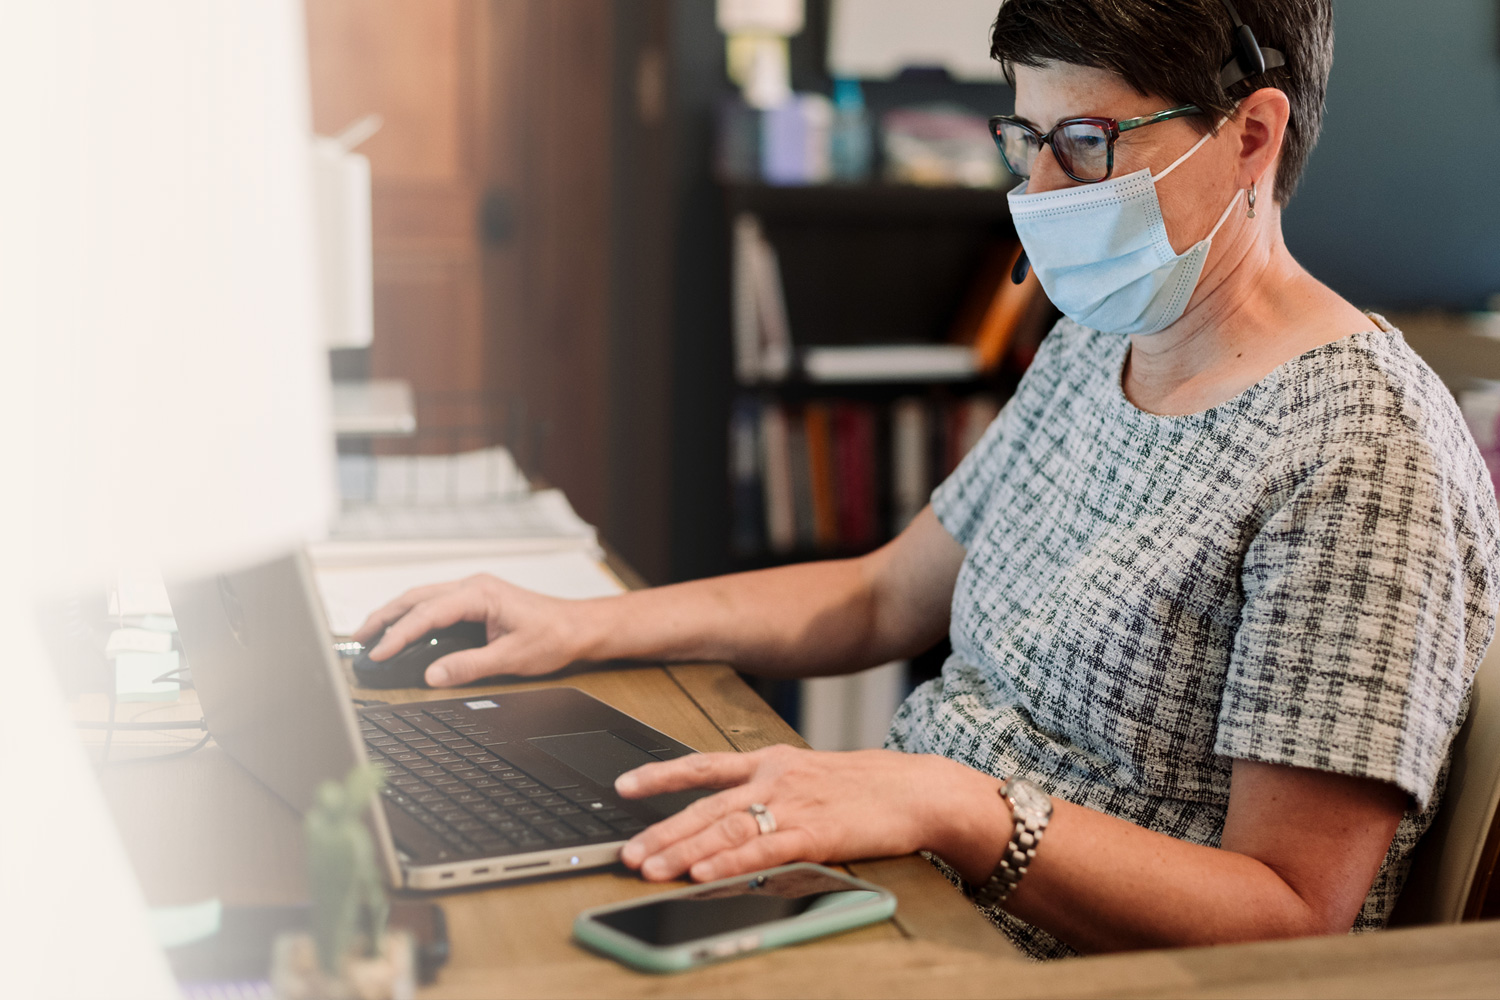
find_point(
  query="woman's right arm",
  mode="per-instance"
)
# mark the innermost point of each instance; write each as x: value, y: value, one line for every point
x: 806, y: 620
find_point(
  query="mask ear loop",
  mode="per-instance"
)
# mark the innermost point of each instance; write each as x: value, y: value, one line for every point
x: 1225, y: 217
x: 1196, y: 146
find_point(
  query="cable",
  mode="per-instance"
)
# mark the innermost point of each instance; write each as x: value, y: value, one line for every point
x: 168, y: 756
x: 111, y: 726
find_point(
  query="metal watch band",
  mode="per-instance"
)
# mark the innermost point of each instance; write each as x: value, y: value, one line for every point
x: 1030, y: 811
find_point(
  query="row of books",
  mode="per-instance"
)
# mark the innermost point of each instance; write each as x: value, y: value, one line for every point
x: 997, y: 316
x: 835, y: 476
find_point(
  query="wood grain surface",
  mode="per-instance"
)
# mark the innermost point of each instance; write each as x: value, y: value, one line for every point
x: 200, y: 827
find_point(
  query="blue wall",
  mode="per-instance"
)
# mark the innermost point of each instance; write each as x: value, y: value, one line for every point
x: 1400, y: 206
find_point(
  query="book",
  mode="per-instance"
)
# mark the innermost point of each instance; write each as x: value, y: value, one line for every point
x: 854, y: 459
x: 776, y: 480
x: 770, y: 304
x: 748, y: 495
x: 761, y: 331
x: 820, y: 462
x: 745, y: 314
x: 889, y: 363
x: 802, y: 482
x: 911, y: 480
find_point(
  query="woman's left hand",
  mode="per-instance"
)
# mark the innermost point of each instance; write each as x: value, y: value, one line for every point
x: 827, y: 807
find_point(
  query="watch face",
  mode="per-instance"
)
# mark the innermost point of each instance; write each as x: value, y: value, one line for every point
x: 1029, y: 798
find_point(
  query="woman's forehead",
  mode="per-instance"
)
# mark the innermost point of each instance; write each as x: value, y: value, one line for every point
x: 1048, y: 93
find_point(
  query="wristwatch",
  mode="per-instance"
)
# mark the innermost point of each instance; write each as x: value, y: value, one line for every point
x: 1030, y: 811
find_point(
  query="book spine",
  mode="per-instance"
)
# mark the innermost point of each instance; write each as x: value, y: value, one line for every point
x: 802, y: 484
x: 910, y: 451
x: 776, y: 478
x: 868, y: 508
x: 745, y: 293
x: 747, y: 491
x: 850, y: 494
x: 820, y: 463
x: 775, y: 331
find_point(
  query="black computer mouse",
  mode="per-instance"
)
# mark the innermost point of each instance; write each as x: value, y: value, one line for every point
x: 408, y: 667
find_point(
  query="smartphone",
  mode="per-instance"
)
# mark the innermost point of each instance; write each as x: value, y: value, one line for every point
x: 705, y: 923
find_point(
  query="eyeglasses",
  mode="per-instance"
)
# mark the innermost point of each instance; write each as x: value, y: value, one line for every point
x: 1084, y: 147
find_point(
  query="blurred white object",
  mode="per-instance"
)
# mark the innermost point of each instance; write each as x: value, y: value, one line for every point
x: 889, y: 363
x: 760, y: 17
x: 480, y: 476
x: 342, y: 188
x: 351, y: 592
x: 877, y: 39
x: 940, y: 145
x: 379, y: 407
x: 756, y: 47
x: 852, y: 711
x: 158, y: 295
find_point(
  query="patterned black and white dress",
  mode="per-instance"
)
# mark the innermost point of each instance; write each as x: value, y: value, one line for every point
x: 1303, y: 575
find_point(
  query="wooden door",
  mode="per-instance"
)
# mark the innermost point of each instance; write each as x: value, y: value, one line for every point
x: 420, y: 65
x: 491, y: 215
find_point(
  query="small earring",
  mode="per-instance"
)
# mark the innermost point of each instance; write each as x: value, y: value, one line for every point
x: 1251, y: 214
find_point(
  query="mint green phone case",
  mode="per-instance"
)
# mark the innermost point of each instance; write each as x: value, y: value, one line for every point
x: 879, y: 904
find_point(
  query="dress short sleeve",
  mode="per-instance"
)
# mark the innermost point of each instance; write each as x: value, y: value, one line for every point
x: 1368, y: 603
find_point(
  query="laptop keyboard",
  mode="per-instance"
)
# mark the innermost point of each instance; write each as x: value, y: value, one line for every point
x: 449, y: 773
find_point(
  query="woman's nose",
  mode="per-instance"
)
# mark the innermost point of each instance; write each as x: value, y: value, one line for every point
x: 1046, y: 175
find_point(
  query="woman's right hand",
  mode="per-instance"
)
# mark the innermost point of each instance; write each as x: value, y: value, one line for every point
x: 528, y: 633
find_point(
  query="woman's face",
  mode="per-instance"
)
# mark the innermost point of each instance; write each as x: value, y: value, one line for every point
x: 1192, y: 197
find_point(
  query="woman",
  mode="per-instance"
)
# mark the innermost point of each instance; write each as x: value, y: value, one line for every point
x: 1217, y: 579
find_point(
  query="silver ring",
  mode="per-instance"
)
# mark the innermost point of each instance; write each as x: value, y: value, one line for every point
x: 763, y: 817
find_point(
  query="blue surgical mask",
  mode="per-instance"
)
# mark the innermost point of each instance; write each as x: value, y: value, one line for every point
x: 1101, y: 251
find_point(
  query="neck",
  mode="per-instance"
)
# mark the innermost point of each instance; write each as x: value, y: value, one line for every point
x: 1240, y: 320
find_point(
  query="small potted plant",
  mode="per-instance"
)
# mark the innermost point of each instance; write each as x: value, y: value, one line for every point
x: 349, y: 953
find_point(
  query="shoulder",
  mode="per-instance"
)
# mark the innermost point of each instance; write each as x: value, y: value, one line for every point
x: 1369, y: 438
x: 1370, y: 392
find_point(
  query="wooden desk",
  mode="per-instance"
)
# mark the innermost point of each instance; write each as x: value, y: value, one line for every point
x: 200, y: 826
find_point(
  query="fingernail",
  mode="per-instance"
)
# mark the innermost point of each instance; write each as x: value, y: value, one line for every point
x: 631, y: 853
x: 626, y: 783
x: 654, y: 868
x: 437, y: 676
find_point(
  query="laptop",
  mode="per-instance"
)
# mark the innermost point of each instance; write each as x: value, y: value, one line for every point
x: 481, y: 788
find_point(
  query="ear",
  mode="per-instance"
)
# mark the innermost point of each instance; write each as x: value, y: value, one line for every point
x: 1262, y: 117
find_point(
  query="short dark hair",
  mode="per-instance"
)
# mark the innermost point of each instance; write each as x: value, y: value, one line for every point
x: 1174, y: 49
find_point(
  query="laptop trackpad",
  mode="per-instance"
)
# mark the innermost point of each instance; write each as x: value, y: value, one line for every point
x: 602, y: 757
x: 599, y: 756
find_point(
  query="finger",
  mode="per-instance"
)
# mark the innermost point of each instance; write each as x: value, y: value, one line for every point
x: 762, y: 851
x: 384, y: 615
x: 446, y: 609
x: 699, y: 770
x: 689, y: 822
x: 726, y: 833
x: 471, y: 664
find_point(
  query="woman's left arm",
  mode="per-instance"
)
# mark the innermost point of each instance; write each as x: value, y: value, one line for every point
x: 1299, y: 852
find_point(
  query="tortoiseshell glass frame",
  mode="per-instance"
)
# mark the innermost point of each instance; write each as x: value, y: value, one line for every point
x: 1110, y: 126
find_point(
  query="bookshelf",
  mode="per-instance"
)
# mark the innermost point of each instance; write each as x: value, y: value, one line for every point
x: 857, y: 266
x: 864, y: 265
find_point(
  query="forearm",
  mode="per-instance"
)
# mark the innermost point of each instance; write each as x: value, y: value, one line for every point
x: 794, y: 621
x: 1102, y: 884
x: 797, y: 620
